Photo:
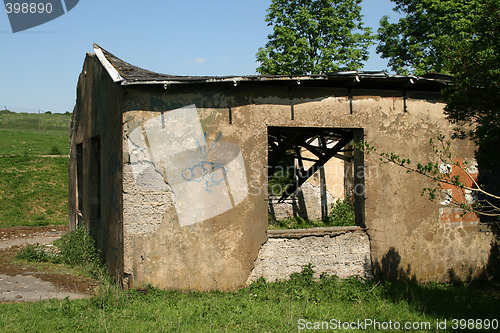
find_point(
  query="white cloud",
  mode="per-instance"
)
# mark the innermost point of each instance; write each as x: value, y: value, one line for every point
x: 197, y: 61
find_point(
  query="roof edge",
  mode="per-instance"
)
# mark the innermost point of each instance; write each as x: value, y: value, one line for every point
x: 113, y: 73
x: 129, y: 75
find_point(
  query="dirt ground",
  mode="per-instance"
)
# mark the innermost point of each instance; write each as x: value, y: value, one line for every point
x: 28, y: 232
x: 12, y: 240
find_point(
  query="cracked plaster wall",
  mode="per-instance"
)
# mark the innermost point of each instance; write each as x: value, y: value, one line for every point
x: 219, y: 252
x: 406, y: 232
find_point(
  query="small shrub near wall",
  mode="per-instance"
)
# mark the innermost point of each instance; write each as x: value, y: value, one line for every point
x: 342, y: 214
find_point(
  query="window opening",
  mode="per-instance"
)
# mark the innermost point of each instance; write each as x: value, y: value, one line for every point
x: 304, y: 188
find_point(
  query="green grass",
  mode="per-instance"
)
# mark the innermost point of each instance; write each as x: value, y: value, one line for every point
x: 20, y: 134
x: 32, y: 142
x: 33, y: 190
x: 30, y: 121
x: 33, y: 187
x: 261, y: 307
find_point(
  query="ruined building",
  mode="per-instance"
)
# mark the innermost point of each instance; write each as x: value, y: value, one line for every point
x: 170, y: 175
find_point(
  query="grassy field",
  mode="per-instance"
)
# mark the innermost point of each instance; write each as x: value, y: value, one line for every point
x: 33, y: 169
x: 34, y: 121
x: 285, y: 306
x: 261, y: 307
x: 33, y: 142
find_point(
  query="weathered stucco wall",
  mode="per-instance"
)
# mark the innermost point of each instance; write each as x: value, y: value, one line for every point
x: 172, y: 182
x: 339, y: 251
x: 409, y: 237
x: 187, y: 232
x: 186, y: 226
x: 95, y: 192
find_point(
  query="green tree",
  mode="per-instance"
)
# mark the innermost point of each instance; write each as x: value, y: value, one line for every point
x: 474, y: 97
x: 313, y: 37
x: 458, y: 37
x: 417, y: 41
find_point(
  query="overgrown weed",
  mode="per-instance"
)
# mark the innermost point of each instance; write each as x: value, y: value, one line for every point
x: 37, y: 253
x: 110, y: 295
x: 78, y: 249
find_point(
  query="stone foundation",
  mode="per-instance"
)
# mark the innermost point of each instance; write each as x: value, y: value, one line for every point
x: 340, y: 251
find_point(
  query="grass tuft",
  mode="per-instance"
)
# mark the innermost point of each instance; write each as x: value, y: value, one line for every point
x: 36, y: 253
x: 55, y: 151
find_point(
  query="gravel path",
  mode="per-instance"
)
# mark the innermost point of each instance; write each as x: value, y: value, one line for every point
x: 21, y: 285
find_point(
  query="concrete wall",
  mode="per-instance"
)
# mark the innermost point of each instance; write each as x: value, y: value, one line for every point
x: 339, y: 251
x: 181, y: 231
x: 96, y: 127
x: 409, y: 238
x: 186, y: 232
x: 182, y: 191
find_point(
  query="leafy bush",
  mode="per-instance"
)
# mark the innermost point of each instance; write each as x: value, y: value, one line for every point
x: 342, y: 214
x: 75, y: 248
x: 78, y: 249
x: 55, y: 151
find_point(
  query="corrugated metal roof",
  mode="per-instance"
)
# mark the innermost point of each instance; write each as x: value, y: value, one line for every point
x: 127, y: 74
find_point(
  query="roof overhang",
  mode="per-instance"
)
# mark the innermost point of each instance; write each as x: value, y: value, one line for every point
x: 128, y: 75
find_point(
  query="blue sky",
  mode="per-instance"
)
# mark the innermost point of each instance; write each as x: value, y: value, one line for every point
x: 39, y: 67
